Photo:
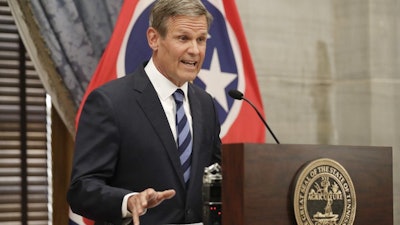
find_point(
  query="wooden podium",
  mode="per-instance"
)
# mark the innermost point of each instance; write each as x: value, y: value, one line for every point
x: 258, y: 180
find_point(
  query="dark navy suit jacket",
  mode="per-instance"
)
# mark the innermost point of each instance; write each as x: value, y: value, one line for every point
x: 124, y: 144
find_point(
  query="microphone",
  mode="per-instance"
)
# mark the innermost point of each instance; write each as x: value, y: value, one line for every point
x: 235, y: 94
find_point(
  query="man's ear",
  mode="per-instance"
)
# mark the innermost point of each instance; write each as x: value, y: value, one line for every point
x: 152, y: 38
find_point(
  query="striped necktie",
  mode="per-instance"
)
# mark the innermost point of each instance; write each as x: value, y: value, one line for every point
x: 184, y: 138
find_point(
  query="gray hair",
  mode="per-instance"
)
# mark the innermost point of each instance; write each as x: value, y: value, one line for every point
x: 164, y: 9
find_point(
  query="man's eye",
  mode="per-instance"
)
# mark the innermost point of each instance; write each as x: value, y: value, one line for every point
x: 182, y: 38
x: 201, y: 40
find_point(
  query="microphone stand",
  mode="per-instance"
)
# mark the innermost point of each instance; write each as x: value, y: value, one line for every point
x: 259, y: 114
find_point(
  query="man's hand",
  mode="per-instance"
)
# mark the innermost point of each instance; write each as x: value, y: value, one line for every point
x: 149, y: 198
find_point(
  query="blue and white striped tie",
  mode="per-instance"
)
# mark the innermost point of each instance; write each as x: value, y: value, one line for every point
x: 183, y: 135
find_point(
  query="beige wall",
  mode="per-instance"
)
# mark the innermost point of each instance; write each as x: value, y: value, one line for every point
x: 329, y: 71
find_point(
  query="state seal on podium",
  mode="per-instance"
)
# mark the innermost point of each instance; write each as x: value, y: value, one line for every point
x: 324, y: 194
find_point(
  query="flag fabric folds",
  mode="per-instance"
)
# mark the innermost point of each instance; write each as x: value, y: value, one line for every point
x: 228, y: 65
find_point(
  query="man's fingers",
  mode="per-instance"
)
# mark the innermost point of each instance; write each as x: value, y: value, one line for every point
x: 160, y: 196
x: 135, y: 218
x: 146, y: 196
x: 136, y: 208
x: 155, y: 198
x: 168, y: 194
x: 146, y: 199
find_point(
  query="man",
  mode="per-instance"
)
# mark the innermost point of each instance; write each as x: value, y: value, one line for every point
x: 126, y: 163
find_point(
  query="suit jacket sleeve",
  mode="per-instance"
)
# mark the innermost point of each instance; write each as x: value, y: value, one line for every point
x: 95, y: 158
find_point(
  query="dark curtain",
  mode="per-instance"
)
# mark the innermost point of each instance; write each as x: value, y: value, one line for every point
x: 76, y: 33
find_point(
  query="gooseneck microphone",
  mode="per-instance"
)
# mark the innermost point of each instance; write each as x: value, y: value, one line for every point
x: 235, y: 94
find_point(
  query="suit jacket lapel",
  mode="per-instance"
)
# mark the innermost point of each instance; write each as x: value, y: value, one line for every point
x: 197, y: 123
x: 151, y: 106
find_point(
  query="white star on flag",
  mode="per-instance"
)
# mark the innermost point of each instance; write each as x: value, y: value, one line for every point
x: 216, y: 80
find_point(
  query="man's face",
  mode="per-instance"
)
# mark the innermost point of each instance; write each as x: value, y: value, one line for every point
x: 180, y: 54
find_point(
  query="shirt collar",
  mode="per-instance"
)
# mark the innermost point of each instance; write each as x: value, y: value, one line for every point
x: 164, y: 87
